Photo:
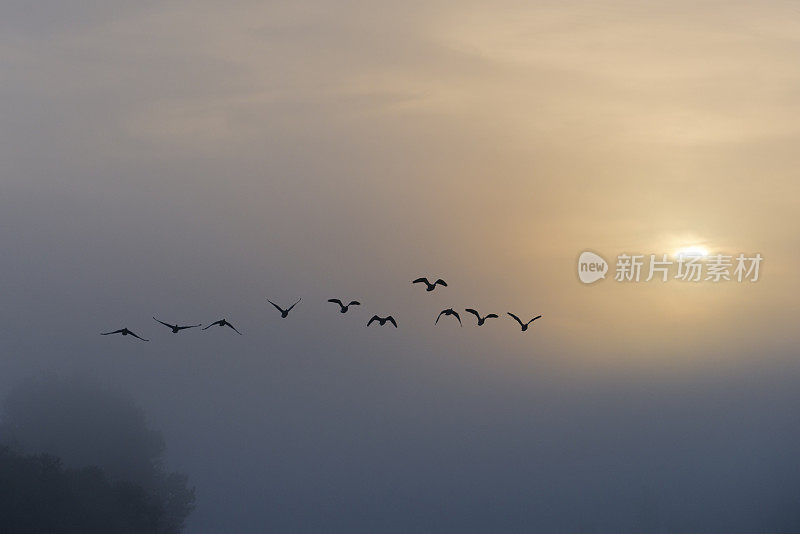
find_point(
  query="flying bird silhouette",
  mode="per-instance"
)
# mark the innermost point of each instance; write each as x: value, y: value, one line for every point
x: 284, y: 313
x: 222, y: 322
x: 175, y: 328
x: 448, y: 311
x: 382, y: 320
x: 429, y: 286
x: 481, y: 320
x: 523, y: 325
x: 344, y: 307
x: 124, y: 332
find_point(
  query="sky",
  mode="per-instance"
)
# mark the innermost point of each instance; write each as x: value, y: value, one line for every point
x: 189, y: 160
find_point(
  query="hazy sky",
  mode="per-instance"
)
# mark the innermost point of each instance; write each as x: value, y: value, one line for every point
x: 189, y: 159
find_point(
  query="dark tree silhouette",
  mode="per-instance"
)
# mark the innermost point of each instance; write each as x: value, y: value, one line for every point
x: 85, y: 425
x: 37, y: 494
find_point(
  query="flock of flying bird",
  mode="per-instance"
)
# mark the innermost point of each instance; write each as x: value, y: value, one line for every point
x: 343, y: 308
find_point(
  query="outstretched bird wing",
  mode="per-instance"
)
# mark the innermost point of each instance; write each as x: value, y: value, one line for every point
x: 529, y: 322
x: 114, y: 332
x: 337, y: 301
x: 354, y: 303
x: 391, y: 320
x: 276, y: 306
x: 457, y: 317
x: 165, y: 324
x: 232, y: 327
x: 439, y: 316
x: 423, y: 280
x: 474, y: 312
x: 441, y: 282
x: 187, y: 326
x: 137, y: 337
x: 293, y: 305
x: 491, y: 315
x: 212, y: 324
x: 517, y: 318
x: 372, y: 319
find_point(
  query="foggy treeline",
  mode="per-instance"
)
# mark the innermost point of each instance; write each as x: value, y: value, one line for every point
x: 75, y: 457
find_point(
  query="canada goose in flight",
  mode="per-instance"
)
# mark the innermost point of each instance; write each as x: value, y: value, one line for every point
x: 175, y: 328
x: 223, y: 322
x: 124, y: 332
x: 449, y: 311
x: 284, y: 313
x: 382, y: 320
x: 344, y: 307
x: 430, y: 287
x: 523, y: 325
x: 481, y: 320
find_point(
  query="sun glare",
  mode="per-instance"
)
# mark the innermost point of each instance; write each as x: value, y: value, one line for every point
x: 694, y: 250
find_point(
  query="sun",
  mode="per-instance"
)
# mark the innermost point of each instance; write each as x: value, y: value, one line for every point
x: 691, y: 251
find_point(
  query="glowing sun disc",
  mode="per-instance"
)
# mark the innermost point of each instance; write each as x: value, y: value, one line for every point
x: 691, y: 251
